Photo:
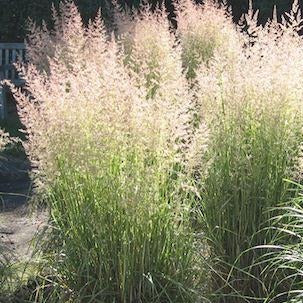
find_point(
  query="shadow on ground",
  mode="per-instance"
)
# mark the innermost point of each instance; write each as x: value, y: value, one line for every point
x: 17, y: 225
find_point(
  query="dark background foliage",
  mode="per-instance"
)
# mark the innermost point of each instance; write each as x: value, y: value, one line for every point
x: 14, y: 13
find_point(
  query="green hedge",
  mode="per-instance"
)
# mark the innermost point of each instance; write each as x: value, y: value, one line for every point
x: 14, y: 13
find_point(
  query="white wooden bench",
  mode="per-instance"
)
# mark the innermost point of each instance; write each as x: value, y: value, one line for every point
x: 10, y: 53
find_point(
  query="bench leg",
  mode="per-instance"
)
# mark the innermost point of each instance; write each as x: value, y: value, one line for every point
x: 3, y: 109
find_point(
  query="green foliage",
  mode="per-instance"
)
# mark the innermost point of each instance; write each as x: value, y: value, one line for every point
x: 285, y: 258
x: 249, y: 161
x: 254, y: 116
x: 106, y: 154
x: 6, y: 272
x: 119, y: 239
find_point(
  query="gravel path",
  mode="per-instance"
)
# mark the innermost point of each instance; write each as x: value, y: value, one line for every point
x: 17, y: 225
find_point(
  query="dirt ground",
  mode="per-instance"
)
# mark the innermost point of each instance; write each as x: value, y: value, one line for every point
x: 18, y: 225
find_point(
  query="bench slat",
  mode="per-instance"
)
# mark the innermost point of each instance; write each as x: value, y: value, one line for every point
x: 12, y: 46
x: 14, y: 60
x: 6, y: 61
x: 9, y: 54
x: 2, y: 103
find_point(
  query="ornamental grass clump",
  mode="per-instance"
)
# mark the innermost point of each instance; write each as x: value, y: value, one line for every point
x: 253, y: 110
x: 204, y: 30
x: 152, y: 53
x: 104, y: 153
x: 285, y: 256
x: 152, y: 57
